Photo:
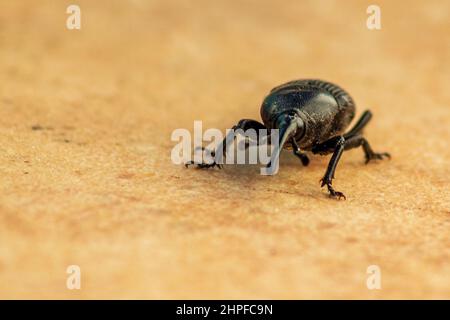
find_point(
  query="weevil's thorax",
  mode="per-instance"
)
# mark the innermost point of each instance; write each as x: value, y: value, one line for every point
x: 323, y: 113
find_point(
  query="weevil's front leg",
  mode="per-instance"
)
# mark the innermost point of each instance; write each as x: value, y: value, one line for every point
x: 302, y: 156
x: 338, y: 146
x: 244, y: 125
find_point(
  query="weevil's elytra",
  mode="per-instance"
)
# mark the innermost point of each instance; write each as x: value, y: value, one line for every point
x: 312, y: 115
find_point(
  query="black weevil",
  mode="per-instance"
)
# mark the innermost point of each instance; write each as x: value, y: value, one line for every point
x: 312, y: 115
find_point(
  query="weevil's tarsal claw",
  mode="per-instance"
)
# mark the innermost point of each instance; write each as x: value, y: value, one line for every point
x: 188, y: 163
x: 377, y: 156
x: 332, y: 193
x: 204, y: 165
x: 336, y: 194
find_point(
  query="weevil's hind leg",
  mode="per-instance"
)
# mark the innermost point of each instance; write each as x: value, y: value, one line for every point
x: 357, y: 141
x: 244, y: 125
x: 360, y: 124
x: 336, y: 144
x: 302, y: 156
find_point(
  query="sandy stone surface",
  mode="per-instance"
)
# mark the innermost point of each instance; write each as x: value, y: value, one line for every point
x: 86, y: 177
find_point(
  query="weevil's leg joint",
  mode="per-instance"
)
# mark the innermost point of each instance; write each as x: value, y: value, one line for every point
x: 302, y: 156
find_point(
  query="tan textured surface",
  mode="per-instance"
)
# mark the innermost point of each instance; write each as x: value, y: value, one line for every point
x: 96, y: 186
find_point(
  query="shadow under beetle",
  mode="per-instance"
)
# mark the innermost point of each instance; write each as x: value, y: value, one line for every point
x: 311, y: 115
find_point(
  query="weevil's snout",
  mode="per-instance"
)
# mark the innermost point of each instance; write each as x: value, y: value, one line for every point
x: 289, y: 125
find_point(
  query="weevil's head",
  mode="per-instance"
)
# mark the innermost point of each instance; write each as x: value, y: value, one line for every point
x: 290, y: 125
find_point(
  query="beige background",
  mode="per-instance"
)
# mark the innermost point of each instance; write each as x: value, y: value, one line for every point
x: 95, y: 187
